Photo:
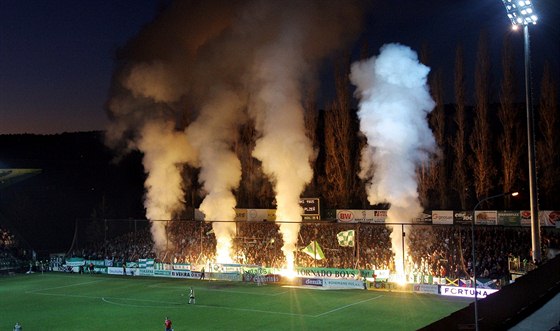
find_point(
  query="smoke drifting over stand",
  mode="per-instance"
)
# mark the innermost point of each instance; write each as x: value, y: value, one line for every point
x: 394, y: 104
x: 201, y: 70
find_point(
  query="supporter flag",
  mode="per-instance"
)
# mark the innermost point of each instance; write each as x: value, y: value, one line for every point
x: 314, y: 250
x: 346, y: 238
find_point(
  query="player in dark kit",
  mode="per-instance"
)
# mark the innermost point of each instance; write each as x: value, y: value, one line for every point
x: 168, y: 324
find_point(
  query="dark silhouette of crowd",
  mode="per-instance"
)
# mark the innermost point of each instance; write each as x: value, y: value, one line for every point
x: 437, y: 251
x: 9, y: 250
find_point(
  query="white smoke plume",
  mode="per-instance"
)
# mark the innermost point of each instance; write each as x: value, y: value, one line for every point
x: 394, y: 104
x: 165, y: 151
x: 305, y: 33
x: 212, y: 134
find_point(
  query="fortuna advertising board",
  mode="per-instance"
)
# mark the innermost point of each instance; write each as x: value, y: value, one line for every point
x: 465, y: 292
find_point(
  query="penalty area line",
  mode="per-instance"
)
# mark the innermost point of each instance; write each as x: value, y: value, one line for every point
x: 346, y: 306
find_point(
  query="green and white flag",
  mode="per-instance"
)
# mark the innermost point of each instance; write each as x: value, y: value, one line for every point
x: 346, y: 238
x: 314, y: 250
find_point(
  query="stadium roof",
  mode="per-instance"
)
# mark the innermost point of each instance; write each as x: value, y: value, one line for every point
x: 11, y: 176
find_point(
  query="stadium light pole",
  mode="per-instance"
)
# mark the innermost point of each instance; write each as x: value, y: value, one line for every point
x: 474, y: 250
x: 522, y: 13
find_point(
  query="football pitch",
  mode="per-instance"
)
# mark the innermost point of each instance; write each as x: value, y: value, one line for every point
x: 56, y: 301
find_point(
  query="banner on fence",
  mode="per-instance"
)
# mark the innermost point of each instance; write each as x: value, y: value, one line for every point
x: 509, y: 218
x: 442, y: 216
x: 466, y: 292
x: 486, y: 217
x: 361, y: 216
x: 425, y: 288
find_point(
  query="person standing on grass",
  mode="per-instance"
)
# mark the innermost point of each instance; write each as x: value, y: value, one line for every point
x: 167, y: 324
x: 191, y: 296
x: 202, y: 276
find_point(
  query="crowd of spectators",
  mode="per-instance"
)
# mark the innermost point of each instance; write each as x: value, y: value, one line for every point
x: 128, y: 247
x: 438, y: 251
x: 8, y: 250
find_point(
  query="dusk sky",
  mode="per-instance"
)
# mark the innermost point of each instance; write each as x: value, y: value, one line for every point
x: 56, y: 57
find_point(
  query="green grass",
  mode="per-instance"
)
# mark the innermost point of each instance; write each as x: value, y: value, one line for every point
x: 55, y: 301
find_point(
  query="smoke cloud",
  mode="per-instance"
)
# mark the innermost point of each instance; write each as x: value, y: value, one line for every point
x: 201, y: 70
x: 394, y: 104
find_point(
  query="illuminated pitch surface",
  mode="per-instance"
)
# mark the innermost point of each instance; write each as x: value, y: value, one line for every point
x: 55, y: 301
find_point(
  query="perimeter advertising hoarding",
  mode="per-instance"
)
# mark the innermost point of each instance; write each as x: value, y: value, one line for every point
x: 425, y: 288
x: 465, y: 292
x: 442, y: 216
x: 344, y: 283
x: 388, y: 286
x: 509, y: 218
x: 463, y: 217
x: 486, y: 217
x: 360, y: 216
x: 549, y: 218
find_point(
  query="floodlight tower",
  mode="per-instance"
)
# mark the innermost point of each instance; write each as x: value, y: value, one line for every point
x: 522, y: 13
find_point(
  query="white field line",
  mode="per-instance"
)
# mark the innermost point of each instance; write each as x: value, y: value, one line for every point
x: 346, y: 306
x: 63, y: 286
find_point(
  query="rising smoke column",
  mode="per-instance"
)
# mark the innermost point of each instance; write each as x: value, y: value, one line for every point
x: 213, y: 135
x: 303, y: 33
x: 165, y: 151
x: 394, y: 104
x: 284, y: 149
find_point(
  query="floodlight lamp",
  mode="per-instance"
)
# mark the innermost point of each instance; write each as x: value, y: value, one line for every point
x: 520, y: 12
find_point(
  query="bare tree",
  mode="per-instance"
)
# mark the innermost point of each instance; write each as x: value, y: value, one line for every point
x: 339, y: 172
x: 547, y: 147
x: 480, y: 140
x: 510, y: 141
x: 459, y: 146
x: 255, y: 189
x: 311, y: 117
x: 431, y: 184
x: 437, y: 121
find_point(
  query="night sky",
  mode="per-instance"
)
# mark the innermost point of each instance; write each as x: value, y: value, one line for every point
x: 56, y: 57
